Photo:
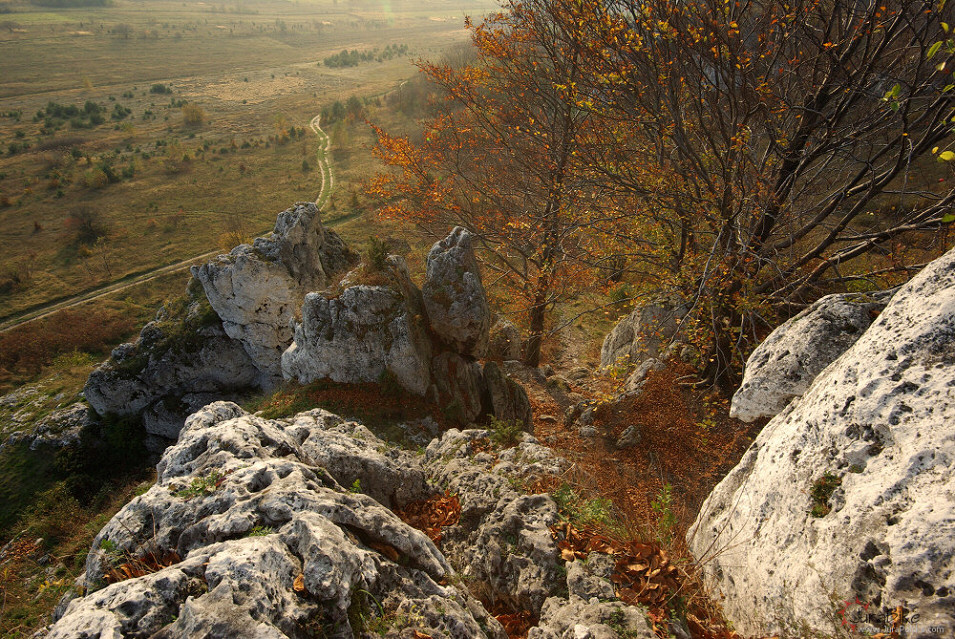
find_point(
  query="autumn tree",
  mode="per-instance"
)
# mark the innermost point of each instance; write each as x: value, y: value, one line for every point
x: 501, y: 158
x: 767, y: 150
x: 193, y: 114
x: 87, y: 224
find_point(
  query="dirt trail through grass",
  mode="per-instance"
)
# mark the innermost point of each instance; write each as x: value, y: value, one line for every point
x: 128, y: 281
x: 324, y: 166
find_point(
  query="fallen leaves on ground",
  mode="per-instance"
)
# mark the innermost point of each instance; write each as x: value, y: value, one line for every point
x: 432, y: 514
x: 643, y: 575
x: 140, y: 566
x: 18, y: 550
x: 516, y: 624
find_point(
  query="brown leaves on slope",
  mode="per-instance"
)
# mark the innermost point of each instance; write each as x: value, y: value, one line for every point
x: 140, y: 566
x: 432, y: 514
x: 643, y: 575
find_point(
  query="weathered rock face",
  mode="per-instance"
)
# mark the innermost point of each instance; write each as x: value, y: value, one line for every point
x: 24, y: 415
x: 260, y: 539
x: 459, y: 385
x: 783, y: 366
x: 518, y: 561
x: 268, y: 543
x: 504, y: 398
x: 426, y: 342
x: 504, y: 342
x: 635, y: 383
x: 577, y: 618
x: 179, y: 363
x: 640, y: 335
x: 60, y: 429
x: 358, y: 337
x: 870, y: 447
x: 257, y: 289
x: 454, y: 295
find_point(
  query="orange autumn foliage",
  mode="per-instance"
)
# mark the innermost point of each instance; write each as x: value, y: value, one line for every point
x: 504, y: 159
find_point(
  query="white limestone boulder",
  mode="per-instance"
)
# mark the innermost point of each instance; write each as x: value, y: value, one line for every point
x: 641, y: 335
x: 785, y: 363
x: 362, y: 334
x: 258, y: 289
x: 258, y: 540
x: 181, y: 361
x: 504, y: 342
x: 454, y: 295
x: 878, y: 424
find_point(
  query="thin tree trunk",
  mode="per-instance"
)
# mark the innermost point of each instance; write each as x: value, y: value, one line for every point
x: 532, y: 349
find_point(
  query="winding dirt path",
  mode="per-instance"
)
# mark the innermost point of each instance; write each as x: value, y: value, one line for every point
x: 324, y: 193
x: 324, y: 166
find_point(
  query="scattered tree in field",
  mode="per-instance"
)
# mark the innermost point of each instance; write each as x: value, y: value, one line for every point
x: 355, y: 108
x: 87, y: 224
x: 353, y: 58
x: 333, y: 113
x: 104, y: 250
x: 55, y: 115
x: 123, y: 30
x: 72, y: 3
x: 192, y: 114
x: 15, y: 276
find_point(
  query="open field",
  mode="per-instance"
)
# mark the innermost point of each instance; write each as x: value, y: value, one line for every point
x: 92, y: 194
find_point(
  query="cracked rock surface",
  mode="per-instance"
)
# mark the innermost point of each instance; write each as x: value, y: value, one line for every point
x: 783, y: 366
x: 849, y: 491
x: 256, y: 536
x: 267, y: 542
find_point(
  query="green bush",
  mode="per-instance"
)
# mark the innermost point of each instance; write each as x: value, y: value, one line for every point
x: 505, y: 433
x: 376, y: 255
x: 662, y: 507
x: 582, y: 511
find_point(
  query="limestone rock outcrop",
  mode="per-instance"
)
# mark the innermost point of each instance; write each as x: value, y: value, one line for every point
x: 257, y: 289
x: 504, y: 398
x: 255, y: 535
x: 641, y: 335
x: 454, y: 295
x: 62, y: 428
x: 577, y: 618
x: 785, y: 363
x: 517, y: 561
x: 181, y: 361
x: 848, y: 493
x: 427, y: 341
x: 262, y: 541
x: 362, y: 334
x: 504, y: 342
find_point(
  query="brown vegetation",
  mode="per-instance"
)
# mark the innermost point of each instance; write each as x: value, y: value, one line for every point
x: 25, y: 350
